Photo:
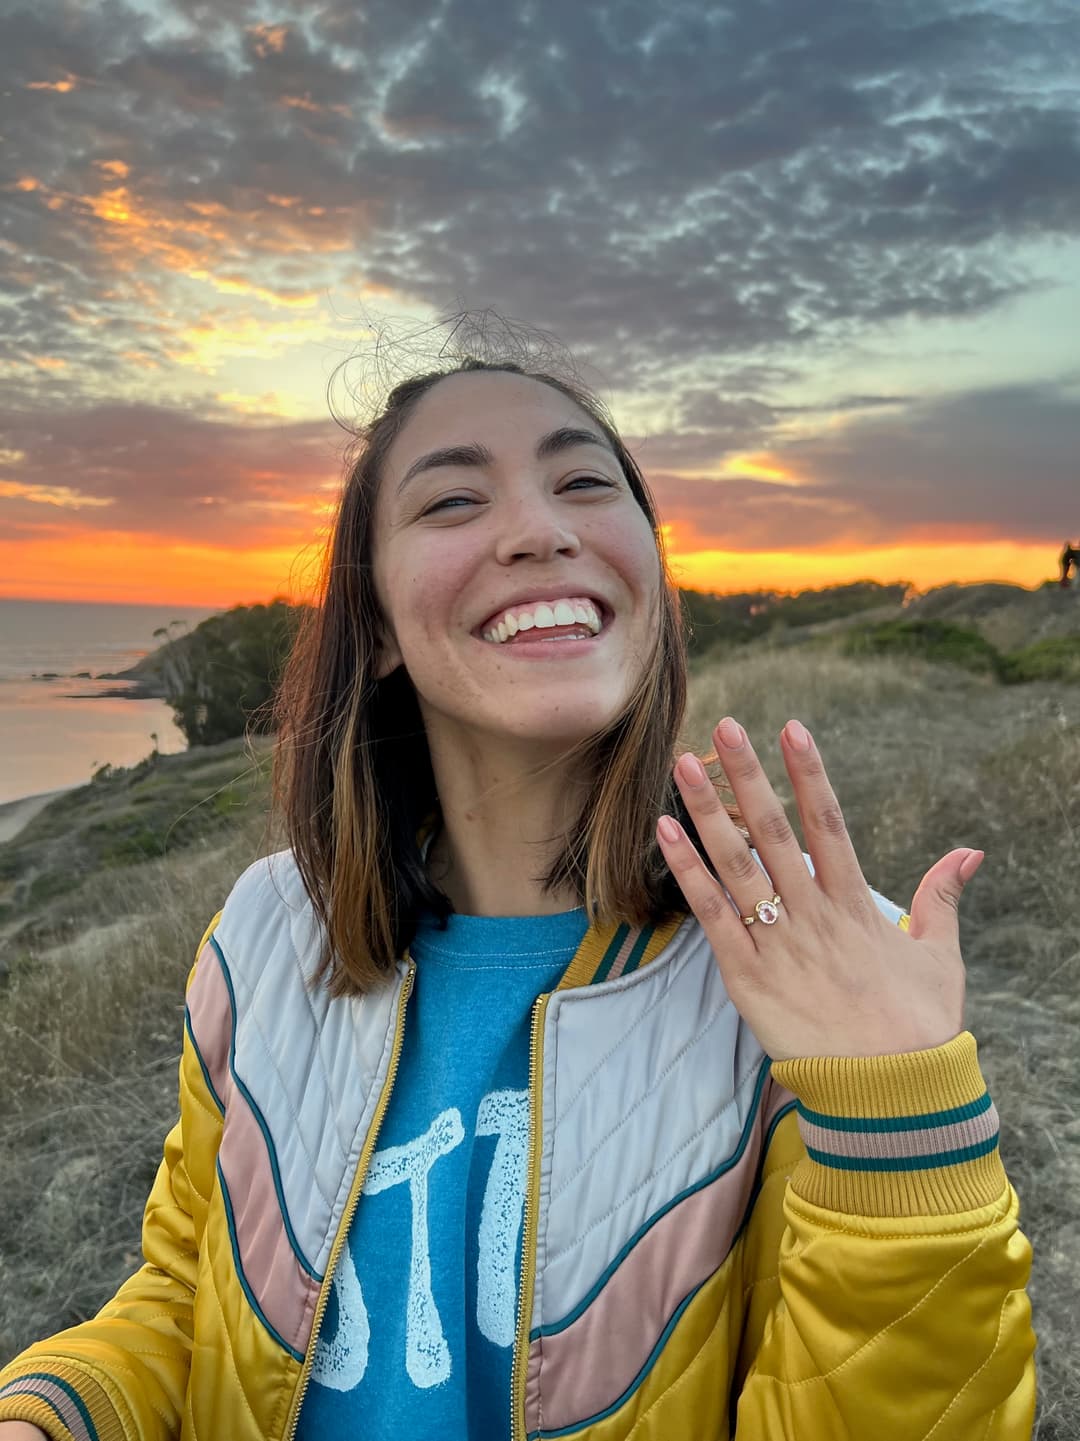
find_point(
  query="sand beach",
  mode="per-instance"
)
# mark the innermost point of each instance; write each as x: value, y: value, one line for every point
x: 16, y: 814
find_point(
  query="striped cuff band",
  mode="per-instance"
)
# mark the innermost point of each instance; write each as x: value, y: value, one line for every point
x: 62, y: 1400
x: 901, y: 1143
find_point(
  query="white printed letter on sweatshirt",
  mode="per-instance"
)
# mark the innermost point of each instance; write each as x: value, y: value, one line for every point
x: 340, y: 1364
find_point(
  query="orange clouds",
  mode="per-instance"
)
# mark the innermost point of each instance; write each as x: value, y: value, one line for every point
x: 761, y: 467
x: 203, y: 241
x: 129, y: 232
x: 305, y: 102
x: 64, y: 497
x: 241, y: 285
x: 69, y: 82
x: 115, y: 207
x: 268, y: 39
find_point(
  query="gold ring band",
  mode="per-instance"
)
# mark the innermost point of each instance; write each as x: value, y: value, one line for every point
x: 767, y: 912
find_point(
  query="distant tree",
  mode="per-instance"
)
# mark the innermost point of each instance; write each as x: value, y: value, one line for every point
x: 219, y: 678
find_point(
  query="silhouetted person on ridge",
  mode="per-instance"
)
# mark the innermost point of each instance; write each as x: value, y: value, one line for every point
x: 1070, y: 559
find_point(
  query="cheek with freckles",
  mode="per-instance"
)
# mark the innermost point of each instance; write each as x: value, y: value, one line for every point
x: 421, y: 596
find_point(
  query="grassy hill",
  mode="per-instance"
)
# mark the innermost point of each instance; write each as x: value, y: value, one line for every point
x: 159, y: 808
x: 106, y: 893
x: 1009, y: 616
x: 1016, y: 634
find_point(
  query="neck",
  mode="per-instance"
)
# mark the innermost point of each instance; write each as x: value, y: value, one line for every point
x: 502, y: 829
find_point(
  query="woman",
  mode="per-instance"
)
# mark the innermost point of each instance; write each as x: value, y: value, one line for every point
x: 500, y: 1113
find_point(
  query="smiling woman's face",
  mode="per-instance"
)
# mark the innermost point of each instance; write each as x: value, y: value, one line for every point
x: 456, y: 545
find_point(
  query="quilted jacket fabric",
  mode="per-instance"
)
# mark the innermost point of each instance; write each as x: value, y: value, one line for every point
x: 714, y: 1246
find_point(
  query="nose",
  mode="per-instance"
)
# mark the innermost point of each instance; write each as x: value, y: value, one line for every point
x: 534, y: 529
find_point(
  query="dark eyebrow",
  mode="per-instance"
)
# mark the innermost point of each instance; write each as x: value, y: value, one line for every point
x: 473, y: 454
x: 565, y: 438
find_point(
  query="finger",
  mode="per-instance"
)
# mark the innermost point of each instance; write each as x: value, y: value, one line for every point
x: 936, y: 904
x: 836, y: 866
x: 725, y: 847
x: 708, y: 900
x: 771, y: 834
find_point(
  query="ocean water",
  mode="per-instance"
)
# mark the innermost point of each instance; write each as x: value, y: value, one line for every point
x: 56, y: 727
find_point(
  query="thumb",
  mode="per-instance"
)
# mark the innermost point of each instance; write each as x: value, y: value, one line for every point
x: 936, y: 903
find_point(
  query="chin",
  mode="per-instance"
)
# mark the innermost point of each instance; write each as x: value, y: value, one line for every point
x: 561, y: 726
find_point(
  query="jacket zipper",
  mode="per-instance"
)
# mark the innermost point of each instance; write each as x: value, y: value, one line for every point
x: 350, y: 1207
x: 519, y: 1365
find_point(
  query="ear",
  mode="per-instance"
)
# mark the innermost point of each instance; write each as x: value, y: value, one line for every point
x: 389, y: 656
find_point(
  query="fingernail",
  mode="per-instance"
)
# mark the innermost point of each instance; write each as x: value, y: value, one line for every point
x: 971, y: 864
x: 668, y: 829
x: 691, y: 770
x: 798, y: 735
x: 731, y: 734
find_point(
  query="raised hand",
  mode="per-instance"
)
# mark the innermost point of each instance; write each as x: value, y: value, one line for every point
x: 830, y: 975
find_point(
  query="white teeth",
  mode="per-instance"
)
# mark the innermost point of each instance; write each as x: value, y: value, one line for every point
x: 545, y: 617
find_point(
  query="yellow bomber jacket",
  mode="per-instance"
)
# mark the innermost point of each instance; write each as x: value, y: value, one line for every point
x: 714, y: 1246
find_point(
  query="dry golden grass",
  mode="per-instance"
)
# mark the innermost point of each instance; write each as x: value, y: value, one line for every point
x: 89, y: 1043
x: 923, y: 758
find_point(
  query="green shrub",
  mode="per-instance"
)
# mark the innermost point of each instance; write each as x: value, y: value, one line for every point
x: 933, y: 640
x: 1055, y: 659
x: 47, y: 886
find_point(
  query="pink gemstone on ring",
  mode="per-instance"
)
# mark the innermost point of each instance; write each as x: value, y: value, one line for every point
x: 767, y: 912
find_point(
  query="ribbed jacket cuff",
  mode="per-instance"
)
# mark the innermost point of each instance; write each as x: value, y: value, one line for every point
x: 914, y: 1134
x: 66, y: 1403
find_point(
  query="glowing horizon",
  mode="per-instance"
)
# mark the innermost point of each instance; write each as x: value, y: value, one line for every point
x: 205, y: 577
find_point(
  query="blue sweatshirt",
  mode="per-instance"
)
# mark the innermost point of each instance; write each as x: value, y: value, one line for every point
x: 417, y: 1337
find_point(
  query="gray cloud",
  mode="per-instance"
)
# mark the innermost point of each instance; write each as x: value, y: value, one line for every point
x: 1000, y: 463
x: 206, y: 478
x: 986, y: 465
x: 655, y: 187
x: 698, y: 200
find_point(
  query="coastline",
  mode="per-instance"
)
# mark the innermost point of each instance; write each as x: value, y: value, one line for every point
x: 14, y: 815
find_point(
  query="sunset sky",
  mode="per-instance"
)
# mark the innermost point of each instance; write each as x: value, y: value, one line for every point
x: 822, y: 261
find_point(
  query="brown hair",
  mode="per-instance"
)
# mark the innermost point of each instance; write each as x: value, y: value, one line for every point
x: 353, y: 781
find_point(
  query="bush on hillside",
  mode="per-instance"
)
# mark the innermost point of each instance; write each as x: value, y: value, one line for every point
x: 220, y: 679
x: 726, y: 620
x: 933, y: 640
x: 1057, y: 658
